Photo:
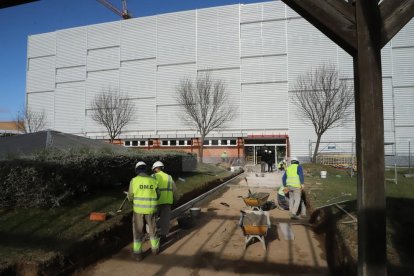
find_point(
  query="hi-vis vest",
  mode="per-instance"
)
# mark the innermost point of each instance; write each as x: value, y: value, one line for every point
x: 292, y: 177
x: 165, y: 188
x: 145, y: 195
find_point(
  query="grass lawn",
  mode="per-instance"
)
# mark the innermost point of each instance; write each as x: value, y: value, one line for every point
x: 39, y: 235
x: 339, y: 186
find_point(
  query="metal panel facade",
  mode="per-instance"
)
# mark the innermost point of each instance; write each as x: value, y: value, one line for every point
x: 43, y: 102
x: 258, y: 49
x: 176, y: 38
x: 42, y: 45
x: 70, y: 101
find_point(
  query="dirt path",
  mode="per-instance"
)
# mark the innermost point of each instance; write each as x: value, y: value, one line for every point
x: 216, y: 245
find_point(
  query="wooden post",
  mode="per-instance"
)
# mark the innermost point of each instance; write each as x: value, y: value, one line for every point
x: 369, y: 122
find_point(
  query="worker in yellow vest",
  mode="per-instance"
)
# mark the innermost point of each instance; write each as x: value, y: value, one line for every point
x: 294, y: 180
x: 167, y: 189
x: 143, y: 192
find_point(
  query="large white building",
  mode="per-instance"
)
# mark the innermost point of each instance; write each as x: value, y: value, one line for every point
x: 257, y: 49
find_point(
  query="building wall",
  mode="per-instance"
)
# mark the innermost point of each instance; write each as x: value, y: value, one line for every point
x: 258, y: 49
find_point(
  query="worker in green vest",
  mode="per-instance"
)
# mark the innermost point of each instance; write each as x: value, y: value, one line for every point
x: 294, y: 180
x: 224, y: 157
x: 167, y: 189
x: 143, y: 192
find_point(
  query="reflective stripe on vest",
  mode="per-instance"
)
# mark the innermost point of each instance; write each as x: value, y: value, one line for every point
x: 164, y: 187
x: 145, y: 195
x: 292, y: 177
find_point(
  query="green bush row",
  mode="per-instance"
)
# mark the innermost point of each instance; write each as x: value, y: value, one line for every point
x: 51, y: 179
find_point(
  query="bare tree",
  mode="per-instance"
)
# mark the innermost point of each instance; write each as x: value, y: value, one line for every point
x: 29, y: 121
x: 205, y: 105
x: 112, y: 111
x: 323, y: 100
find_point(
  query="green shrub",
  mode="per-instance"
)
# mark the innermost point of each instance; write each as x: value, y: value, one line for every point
x: 52, y: 178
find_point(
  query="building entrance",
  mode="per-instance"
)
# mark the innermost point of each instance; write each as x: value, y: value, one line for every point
x: 263, y: 152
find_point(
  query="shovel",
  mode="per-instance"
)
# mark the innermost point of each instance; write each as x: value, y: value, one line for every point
x: 102, y: 216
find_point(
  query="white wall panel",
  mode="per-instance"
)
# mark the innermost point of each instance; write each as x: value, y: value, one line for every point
x: 70, y: 74
x: 176, y: 37
x: 41, y: 74
x: 139, y: 37
x: 405, y: 37
x: 273, y: 10
x: 264, y: 106
x: 386, y: 61
x: 103, y: 59
x: 404, y: 102
x: 138, y: 78
x: 264, y: 69
x: 93, y: 128
x: 144, y: 116
x: 104, y: 35
x: 70, y: 102
x: 403, y: 66
x: 404, y: 136
x: 218, y: 37
x: 274, y: 37
x: 231, y: 78
x: 71, y: 47
x: 168, y: 118
x: 43, y: 102
x: 169, y: 78
x: 101, y: 81
x: 250, y: 13
x: 307, y: 48
x: 251, y: 39
x: 387, y: 98
x: 291, y: 13
x: 41, y: 45
x: 345, y: 64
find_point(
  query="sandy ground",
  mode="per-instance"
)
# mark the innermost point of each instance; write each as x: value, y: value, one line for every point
x: 216, y: 244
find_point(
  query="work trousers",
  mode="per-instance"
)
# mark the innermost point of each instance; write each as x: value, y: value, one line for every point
x: 164, y: 212
x: 138, y: 229
x: 294, y: 200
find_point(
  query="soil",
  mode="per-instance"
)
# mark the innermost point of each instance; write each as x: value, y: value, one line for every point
x: 216, y: 245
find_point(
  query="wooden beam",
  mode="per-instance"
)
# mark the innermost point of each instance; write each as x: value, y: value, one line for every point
x: 11, y: 3
x: 334, y: 18
x: 369, y: 122
x: 394, y: 14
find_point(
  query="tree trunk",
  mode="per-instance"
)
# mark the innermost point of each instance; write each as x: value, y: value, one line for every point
x: 315, y: 153
x: 200, y: 150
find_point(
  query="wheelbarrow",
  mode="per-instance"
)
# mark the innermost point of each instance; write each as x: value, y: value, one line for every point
x: 256, y: 200
x: 254, y: 224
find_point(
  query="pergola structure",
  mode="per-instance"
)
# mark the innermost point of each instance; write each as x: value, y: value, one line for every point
x: 362, y: 28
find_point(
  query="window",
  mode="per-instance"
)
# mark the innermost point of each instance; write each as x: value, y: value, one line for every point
x: 151, y: 142
x: 223, y: 142
x: 233, y: 142
x: 181, y: 142
x: 134, y: 143
x: 206, y: 142
x: 189, y: 142
x: 173, y: 142
x: 127, y: 143
x: 164, y: 142
x: 142, y: 143
x: 214, y: 142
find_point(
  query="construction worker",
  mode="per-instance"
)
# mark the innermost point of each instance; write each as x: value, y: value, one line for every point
x: 283, y: 197
x: 167, y: 189
x: 143, y: 192
x: 294, y: 180
x: 281, y: 165
x: 224, y: 157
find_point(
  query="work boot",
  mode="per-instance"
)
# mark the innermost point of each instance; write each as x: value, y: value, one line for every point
x: 155, y: 251
x: 294, y: 217
x: 138, y: 256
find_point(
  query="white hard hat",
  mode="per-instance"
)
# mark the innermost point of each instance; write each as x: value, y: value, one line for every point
x: 294, y: 159
x: 139, y: 164
x: 157, y: 164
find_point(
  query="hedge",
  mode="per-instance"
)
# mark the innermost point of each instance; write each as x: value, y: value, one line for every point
x: 52, y: 178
